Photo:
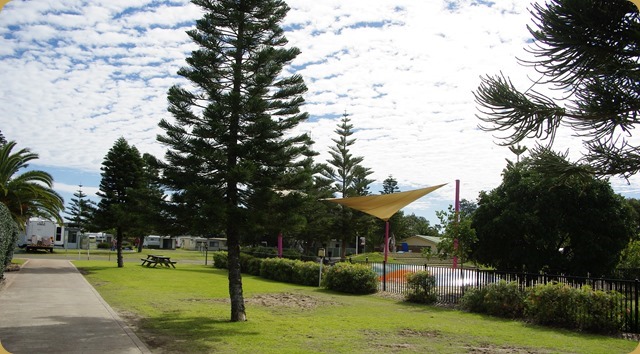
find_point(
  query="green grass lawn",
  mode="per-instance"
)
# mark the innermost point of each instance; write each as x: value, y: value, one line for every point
x: 186, y: 310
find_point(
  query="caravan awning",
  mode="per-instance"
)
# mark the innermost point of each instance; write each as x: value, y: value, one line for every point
x: 385, y: 205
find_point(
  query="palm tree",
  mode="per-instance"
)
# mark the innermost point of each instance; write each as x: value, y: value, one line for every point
x: 30, y: 193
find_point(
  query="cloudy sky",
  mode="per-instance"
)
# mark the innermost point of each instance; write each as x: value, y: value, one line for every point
x: 77, y: 74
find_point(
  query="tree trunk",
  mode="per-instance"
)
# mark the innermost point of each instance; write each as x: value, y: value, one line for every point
x: 235, y: 279
x: 119, y: 247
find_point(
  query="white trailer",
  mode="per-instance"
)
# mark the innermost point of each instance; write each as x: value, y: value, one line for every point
x: 41, y: 235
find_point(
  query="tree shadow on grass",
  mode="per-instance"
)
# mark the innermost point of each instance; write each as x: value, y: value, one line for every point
x: 197, y: 334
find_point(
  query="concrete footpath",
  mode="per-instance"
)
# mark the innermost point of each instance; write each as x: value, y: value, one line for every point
x: 48, y: 307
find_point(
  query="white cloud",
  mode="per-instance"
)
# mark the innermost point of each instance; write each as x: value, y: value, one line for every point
x: 78, y: 74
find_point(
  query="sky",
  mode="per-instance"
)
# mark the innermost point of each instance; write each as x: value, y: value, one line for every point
x: 76, y: 75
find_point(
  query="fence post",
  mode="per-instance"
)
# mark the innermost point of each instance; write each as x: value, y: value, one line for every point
x: 384, y: 275
x: 635, y: 322
x: 462, y: 278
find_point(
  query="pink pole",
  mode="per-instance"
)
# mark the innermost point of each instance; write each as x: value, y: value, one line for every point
x: 280, y: 245
x: 386, y: 240
x: 457, y: 219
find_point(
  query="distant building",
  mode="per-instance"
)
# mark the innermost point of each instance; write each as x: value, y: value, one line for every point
x: 418, y: 242
x: 160, y: 242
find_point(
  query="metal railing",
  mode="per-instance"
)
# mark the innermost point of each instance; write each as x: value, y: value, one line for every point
x: 452, y: 283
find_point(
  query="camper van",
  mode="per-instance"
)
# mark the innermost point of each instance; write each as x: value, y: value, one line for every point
x: 164, y: 242
x: 40, y: 234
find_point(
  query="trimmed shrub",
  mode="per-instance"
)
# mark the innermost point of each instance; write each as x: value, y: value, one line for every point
x: 351, y: 278
x: 307, y: 273
x: 422, y: 287
x: 250, y: 264
x: 105, y: 245
x: 220, y: 260
x: 279, y: 269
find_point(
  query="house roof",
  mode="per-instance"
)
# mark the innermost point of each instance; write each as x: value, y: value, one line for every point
x: 434, y: 239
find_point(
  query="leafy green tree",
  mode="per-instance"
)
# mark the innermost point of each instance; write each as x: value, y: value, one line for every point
x: 630, y: 256
x: 350, y: 179
x: 30, y: 193
x: 80, y: 211
x: 231, y: 146
x: 419, y: 225
x: 151, y: 210
x: 122, y: 181
x: 3, y: 140
x: 537, y: 221
x: 458, y: 235
x: 588, y: 50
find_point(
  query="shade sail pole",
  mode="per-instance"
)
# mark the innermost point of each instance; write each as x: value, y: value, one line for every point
x: 457, y: 221
x: 386, y: 239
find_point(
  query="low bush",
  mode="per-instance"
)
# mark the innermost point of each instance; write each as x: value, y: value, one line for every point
x: 250, y: 264
x: 351, y: 278
x: 500, y: 299
x: 585, y: 309
x: 279, y: 269
x: 504, y: 300
x: 553, y: 304
x: 308, y: 273
x: 103, y: 245
x: 422, y: 287
x: 220, y: 260
x: 599, y: 311
x: 473, y: 300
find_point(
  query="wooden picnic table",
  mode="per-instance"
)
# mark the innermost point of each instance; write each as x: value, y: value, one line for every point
x: 154, y: 259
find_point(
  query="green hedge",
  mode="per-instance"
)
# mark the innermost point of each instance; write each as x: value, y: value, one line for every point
x: 279, y: 269
x: 8, y: 238
x: 493, y: 300
x: 351, y: 278
x: 584, y: 309
x: 220, y: 260
x: 552, y: 304
x: 343, y: 277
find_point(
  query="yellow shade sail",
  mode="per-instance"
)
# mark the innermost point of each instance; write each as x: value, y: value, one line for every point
x: 385, y: 205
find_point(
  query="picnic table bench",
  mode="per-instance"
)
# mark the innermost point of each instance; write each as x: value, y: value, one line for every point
x: 154, y: 260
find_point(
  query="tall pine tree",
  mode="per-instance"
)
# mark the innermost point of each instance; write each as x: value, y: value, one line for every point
x: 350, y: 180
x: 230, y: 146
x: 80, y: 210
x: 122, y: 180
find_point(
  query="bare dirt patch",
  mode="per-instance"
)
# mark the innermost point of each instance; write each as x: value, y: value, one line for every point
x: 291, y: 300
x: 408, y: 332
x: 494, y: 349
